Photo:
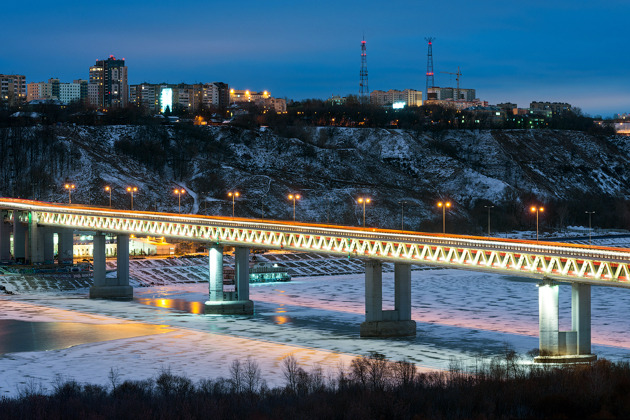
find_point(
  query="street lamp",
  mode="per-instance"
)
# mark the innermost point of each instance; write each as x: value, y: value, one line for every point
x: 489, y: 207
x: 402, y: 214
x: 132, y: 190
x: 69, y: 187
x: 294, y: 197
x: 179, y: 192
x: 537, y: 210
x: 364, y: 201
x: 444, y: 205
x: 262, y: 210
x: 590, y: 213
x: 233, y: 194
x: 109, y: 189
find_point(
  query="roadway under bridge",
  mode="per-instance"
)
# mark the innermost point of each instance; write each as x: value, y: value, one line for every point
x: 30, y: 226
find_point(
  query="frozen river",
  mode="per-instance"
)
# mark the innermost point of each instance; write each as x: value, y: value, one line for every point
x: 459, y: 315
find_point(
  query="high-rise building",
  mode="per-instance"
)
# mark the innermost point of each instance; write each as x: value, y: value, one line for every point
x: 39, y: 91
x: 56, y: 90
x: 261, y: 99
x: 191, y: 97
x: 110, y: 77
x: 409, y: 97
x: 12, y: 89
x: 550, y: 108
x: 446, y: 94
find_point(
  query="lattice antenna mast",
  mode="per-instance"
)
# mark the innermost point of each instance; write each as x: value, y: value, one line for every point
x: 430, y: 79
x: 364, y: 91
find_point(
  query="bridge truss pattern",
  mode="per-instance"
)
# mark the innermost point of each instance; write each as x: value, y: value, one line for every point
x: 559, y: 261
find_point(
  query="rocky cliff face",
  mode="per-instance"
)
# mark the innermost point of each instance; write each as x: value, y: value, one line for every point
x: 330, y: 167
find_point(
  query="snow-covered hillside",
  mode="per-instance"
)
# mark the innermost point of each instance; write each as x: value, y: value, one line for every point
x: 330, y: 167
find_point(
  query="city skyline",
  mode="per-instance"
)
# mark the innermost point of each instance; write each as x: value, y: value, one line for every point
x: 565, y: 52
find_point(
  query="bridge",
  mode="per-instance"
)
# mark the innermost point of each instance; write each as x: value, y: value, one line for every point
x: 32, y: 225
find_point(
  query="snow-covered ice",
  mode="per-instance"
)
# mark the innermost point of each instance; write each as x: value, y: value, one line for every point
x: 459, y: 315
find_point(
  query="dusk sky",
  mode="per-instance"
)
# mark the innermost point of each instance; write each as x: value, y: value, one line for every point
x: 569, y: 51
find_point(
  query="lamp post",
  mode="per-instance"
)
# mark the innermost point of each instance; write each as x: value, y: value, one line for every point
x: 262, y: 209
x: 109, y: 189
x: 179, y: 192
x: 590, y: 213
x: 402, y: 214
x: 535, y: 209
x: 233, y: 194
x: 294, y: 197
x: 364, y: 201
x: 443, y: 205
x: 132, y: 190
x: 489, y: 207
x: 69, y: 187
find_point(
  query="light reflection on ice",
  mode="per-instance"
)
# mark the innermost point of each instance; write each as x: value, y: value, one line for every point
x: 460, y: 315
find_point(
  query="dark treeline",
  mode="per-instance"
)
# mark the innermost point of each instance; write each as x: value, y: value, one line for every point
x: 371, y: 388
x: 309, y: 112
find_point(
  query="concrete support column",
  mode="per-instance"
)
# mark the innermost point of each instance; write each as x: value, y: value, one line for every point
x: 47, y: 237
x: 102, y: 287
x: 402, y: 291
x: 564, y: 346
x: 241, y: 273
x: 373, y: 291
x: 220, y: 301
x: 98, y: 258
x: 215, y: 268
x: 35, y: 245
x: 65, y: 246
x: 19, y: 238
x: 5, y: 237
x: 380, y: 323
x: 581, y: 316
x: 548, y: 318
x: 122, y: 260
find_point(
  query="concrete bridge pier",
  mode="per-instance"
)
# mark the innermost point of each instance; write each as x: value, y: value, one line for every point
x: 564, y: 346
x: 392, y: 323
x: 220, y: 301
x: 111, y: 288
x: 5, y: 236
x: 65, y: 245
x: 19, y: 238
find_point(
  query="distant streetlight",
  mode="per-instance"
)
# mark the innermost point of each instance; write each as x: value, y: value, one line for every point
x: 294, y: 197
x: 489, y: 207
x: 590, y: 213
x: 132, y: 190
x: 69, y: 187
x: 262, y: 210
x: 537, y: 210
x: 179, y: 192
x: 233, y: 194
x: 402, y: 214
x: 109, y: 189
x: 443, y: 205
x: 364, y: 201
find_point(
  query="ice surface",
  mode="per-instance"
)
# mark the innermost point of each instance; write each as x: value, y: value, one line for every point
x: 460, y: 315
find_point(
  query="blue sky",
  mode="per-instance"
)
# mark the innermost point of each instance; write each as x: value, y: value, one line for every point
x: 573, y: 51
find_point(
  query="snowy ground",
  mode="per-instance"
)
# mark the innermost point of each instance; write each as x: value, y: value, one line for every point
x: 460, y: 315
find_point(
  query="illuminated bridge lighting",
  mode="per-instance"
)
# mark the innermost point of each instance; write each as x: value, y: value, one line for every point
x: 559, y: 261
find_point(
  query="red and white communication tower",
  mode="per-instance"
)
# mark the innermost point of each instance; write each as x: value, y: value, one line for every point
x: 430, y: 80
x: 364, y: 91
